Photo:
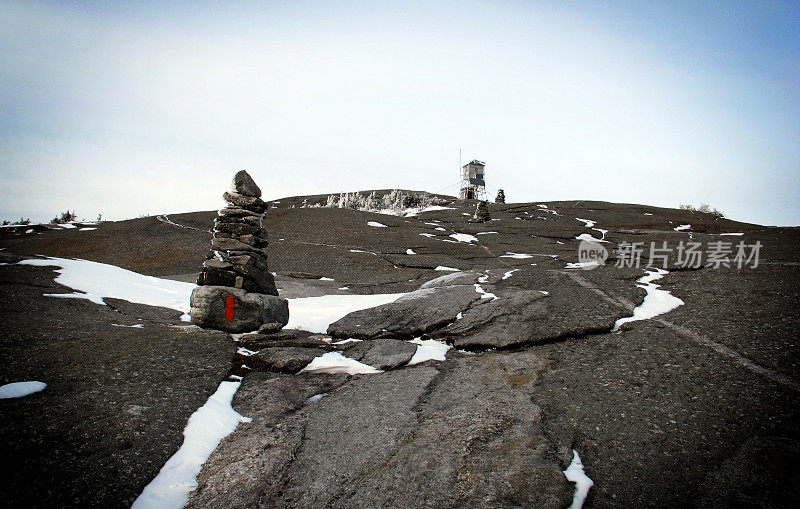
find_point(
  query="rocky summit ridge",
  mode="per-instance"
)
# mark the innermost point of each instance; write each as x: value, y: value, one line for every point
x: 697, y: 406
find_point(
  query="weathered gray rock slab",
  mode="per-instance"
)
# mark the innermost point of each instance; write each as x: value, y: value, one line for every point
x: 408, y: 317
x: 382, y: 353
x: 283, y: 359
x: 251, y: 310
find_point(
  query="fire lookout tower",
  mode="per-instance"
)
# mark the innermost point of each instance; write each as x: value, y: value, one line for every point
x: 473, y: 185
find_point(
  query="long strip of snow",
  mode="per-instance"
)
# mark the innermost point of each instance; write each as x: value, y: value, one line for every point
x: 314, y: 314
x: 20, y: 389
x: 206, y: 428
x: 427, y: 350
x: 574, y: 473
x: 588, y: 222
x: 100, y: 280
x: 376, y: 224
x: 335, y: 362
x: 656, y: 302
x: 518, y: 256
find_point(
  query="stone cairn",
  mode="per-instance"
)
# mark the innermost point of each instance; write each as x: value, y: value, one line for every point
x: 501, y: 196
x: 236, y: 291
x: 482, y: 211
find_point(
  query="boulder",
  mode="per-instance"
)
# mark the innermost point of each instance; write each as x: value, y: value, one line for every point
x: 250, y: 310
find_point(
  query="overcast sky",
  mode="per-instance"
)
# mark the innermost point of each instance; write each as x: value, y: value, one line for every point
x: 150, y: 107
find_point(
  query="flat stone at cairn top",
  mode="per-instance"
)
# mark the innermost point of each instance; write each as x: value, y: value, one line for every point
x: 244, y: 184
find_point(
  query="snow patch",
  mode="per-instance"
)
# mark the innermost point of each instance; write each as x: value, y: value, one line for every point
x: 410, y: 252
x: 588, y: 222
x: 206, y: 428
x: 464, y: 237
x: 588, y: 238
x: 427, y: 350
x: 733, y: 234
x: 484, y: 293
x: 509, y: 273
x: 326, y: 279
x: 656, y: 302
x: 97, y: 281
x: 314, y: 314
x: 137, y: 326
x: 335, y: 362
x: 682, y: 227
x: 487, y: 233
x: 451, y: 269
x: 20, y: 389
x: 376, y: 224
x: 574, y: 473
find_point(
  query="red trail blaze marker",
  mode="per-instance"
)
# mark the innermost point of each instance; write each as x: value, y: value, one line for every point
x: 229, y: 305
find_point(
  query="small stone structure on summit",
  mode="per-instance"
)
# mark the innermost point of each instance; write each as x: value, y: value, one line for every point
x: 236, y: 291
x: 482, y: 211
x: 501, y: 196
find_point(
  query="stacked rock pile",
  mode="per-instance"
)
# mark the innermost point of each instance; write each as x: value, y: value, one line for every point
x: 236, y: 291
x: 501, y: 196
x: 482, y: 212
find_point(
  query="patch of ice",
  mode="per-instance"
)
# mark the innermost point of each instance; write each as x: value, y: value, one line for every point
x: 464, y: 237
x: 314, y: 314
x: 20, y: 389
x: 314, y: 399
x: 656, y: 302
x: 427, y: 350
x: 376, y: 224
x: 244, y: 351
x: 451, y: 269
x: 518, y: 256
x: 574, y: 473
x: 335, y: 362
x: 206, y: 428
x: 682, y: 227
x: 100, y: 280
x: 410, y: 252
x: 509, y: 273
